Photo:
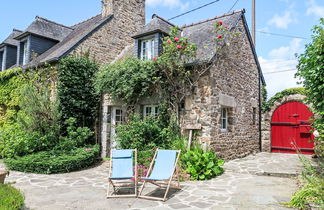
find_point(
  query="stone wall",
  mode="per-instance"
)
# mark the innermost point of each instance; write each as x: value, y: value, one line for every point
x: 231, y: 83
x: 109, y: 41
x: 266, y: 119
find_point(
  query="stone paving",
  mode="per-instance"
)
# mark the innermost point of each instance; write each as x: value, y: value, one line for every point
x: 244, y: 185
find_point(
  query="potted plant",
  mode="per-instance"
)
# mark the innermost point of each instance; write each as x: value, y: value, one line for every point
x: 3, y: 174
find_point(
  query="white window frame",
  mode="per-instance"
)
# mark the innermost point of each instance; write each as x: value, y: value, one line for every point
x: 147, y: 49
x: 154, y: 110
x: 224, y: 118
x: 25, y: 53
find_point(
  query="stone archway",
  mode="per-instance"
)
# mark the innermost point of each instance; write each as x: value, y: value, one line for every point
x: 266, y: 119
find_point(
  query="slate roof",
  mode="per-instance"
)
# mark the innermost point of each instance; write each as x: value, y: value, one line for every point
x: 201, y: 32
x: 46, y: 28
x: 78, y: 33
x: 10, y: 39
x: 157, y: 24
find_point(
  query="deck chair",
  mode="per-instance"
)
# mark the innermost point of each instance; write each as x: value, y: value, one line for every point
x: 121, y: 172
x: 162, y: 171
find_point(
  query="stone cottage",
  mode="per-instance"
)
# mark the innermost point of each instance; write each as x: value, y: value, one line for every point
x: 224, y: 109
x: 104, y: 36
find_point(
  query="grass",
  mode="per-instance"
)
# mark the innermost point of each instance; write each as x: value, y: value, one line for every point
x: 10, y: 198
x: 311, y: 192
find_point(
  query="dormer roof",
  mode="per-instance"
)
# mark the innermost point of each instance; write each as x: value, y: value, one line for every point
x: 157, y: 25
x: 10, y: 39
x: 46, y: 28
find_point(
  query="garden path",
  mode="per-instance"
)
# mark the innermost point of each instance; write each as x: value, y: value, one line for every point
x: 244, y: 185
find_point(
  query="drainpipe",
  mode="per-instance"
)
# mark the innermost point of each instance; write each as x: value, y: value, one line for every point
x: 260, y: 113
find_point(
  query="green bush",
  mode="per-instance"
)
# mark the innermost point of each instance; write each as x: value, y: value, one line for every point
x: 76, y: 137
x: 76, y: 92
x: 55, y: 161
x: 146, y: 134
x: 10, y: 198
x: 201, y: 165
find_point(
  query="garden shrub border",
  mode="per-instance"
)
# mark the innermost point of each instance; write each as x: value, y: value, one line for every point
x: 52, y: 162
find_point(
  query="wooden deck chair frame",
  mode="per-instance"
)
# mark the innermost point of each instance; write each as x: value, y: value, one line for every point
x: 122, y: 183
x: 164, y: 183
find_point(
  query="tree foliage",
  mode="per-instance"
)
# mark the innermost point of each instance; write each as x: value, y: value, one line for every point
x: 76, y: 93
x: 311, y: 70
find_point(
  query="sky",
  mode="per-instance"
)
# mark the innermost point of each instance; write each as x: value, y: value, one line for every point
x: 294, y: 18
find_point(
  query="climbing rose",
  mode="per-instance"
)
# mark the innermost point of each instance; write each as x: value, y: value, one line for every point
x: 226, y: 27
x: 169, y: 41
x: 176, y: 39
x: 220, y: 22
x: 179, y: 46
x: 220, y: 37
x: 154, y: 58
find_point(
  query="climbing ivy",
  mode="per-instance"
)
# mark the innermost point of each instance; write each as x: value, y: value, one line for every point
x: 128, y: 80
x: 266, y: 105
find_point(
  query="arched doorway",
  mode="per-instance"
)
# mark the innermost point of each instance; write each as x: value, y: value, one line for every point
x: 290, y: 129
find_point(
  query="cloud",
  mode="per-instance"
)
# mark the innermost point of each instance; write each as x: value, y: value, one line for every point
x: 283, y: 20
x: 279, y: 81
x: 314, y: 9
x: 281, y: 59
x: 172, y: 4
x: 287, y: 52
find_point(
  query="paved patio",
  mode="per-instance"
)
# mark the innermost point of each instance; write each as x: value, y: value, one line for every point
x: 244, y: 185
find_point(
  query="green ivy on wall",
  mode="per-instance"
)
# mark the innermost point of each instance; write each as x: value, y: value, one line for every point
x: 266, y: 105
x: 76, y: 92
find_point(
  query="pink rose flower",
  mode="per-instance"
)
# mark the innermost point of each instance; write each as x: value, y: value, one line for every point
x: 176, y: 39
x: 154, y: 58
x: 169, y: 41
x: 220, y: 37
x: 220, y: 22
x: 179, y: 46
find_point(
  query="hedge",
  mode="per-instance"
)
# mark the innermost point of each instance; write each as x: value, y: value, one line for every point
x: 54, y: 161
x: 10, y: 198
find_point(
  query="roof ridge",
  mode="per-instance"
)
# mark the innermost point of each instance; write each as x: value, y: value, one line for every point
x: 50, y: 21
x: 16, y: 30
x: 84, y: 21
x: 155, y: 15
x: 213, y: 18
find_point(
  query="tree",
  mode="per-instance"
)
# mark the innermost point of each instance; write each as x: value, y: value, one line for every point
x: 311, y: 70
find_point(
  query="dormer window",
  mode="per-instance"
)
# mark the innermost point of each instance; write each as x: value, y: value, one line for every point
x: 147, y: 49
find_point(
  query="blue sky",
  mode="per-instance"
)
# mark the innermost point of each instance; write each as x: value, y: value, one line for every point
x: 276, y: 53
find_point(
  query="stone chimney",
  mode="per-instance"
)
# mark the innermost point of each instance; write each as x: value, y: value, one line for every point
x: 107, y: 7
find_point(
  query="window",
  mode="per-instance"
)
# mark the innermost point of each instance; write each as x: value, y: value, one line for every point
x: 254, y: 116
x: 147, y: 49
x: 25, y: 57
x: 2, y: 61
x: 224, y: 119
x: 151, y: 110
x: 118, y: 116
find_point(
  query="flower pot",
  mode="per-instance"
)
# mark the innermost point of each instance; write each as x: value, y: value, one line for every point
x: 3, y: 174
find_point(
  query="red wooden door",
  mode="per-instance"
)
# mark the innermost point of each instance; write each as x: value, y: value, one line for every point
x: 290, y: 129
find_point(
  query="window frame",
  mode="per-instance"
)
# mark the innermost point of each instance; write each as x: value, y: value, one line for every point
x: 155, y: 111
x: 147, y: 52
x: 224, y: 119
